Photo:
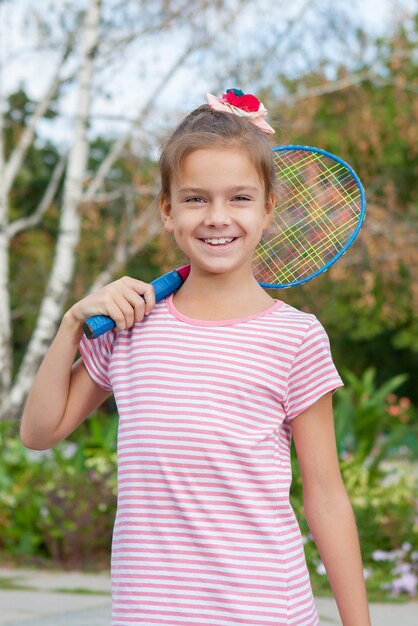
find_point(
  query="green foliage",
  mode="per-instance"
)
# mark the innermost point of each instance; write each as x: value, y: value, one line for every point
x: 20, y: 503
x: 368, y: 300
x: 377, y: 447
x: 129, y: 186
x: 386, y: 516
x: 40, y: 159
x: 31, y: 248
x: 361, y: 415
x: 60, y: 504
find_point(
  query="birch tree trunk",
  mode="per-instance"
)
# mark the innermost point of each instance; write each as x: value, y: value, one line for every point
x: 8, y: 171
x: 70, y: 223
x: 5, y: 323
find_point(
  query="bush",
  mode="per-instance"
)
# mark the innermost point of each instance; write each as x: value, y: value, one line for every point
x: 376, y: 440
x: 60, y: 504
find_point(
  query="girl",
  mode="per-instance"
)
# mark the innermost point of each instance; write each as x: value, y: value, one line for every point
x: 211, y: 385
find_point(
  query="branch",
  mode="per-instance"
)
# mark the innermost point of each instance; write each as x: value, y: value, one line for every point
x: 120, y: 144
x: 337, y: 85
x: 123, y: 251
x: 16, y: 158
x: 349, y: 81
x: 273, y: 51
x: 121, y: 192
x: 33, y: 220
x: 6, y: 354
x: 70, y: 224
x: 170, y: 15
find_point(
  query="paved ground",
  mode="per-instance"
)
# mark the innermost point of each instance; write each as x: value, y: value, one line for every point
x: 41, y: 598
x: 53, y: 598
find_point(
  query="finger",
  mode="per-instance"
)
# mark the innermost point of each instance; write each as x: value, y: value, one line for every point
x: 117, y: 314
x: 149, y: 297
x: 125, y: 302
x: 145, y: 290
x: 137, y: 303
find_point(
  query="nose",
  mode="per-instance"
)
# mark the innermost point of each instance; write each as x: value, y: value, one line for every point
x: 217, y: 214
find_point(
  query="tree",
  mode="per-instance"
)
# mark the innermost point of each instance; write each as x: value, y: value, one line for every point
x: 365, y: 111
x: 91, y: 179
x: 84, y: 38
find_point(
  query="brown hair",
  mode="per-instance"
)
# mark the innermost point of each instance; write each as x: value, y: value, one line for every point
x: 206, y: 128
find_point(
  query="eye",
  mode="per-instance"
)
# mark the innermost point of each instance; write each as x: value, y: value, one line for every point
x: 241, y: 199
x: 194, y: 199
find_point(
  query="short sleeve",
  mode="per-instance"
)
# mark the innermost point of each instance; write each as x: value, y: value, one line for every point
x: 96, y: 354
x: 312, y: 374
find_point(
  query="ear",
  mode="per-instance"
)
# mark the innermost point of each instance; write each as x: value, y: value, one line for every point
x: 165, y: 212
x: 269, y: 210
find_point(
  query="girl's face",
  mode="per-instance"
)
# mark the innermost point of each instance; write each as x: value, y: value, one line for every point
x: 218, y: 210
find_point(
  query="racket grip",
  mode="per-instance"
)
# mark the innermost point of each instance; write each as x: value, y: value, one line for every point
x: 163, y: 286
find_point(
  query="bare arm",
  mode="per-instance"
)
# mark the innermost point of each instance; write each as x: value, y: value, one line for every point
x: 328, y: 510
x: 63, y: 393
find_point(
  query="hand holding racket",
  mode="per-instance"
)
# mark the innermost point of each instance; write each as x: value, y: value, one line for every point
x: 320, y: 209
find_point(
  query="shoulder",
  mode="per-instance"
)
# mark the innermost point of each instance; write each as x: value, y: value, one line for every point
x: 294, y: 320
x: 156, y: 319
x: 288, y: 311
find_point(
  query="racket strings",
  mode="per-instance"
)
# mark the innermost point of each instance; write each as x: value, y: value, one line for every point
x: 294, y: 255
x: 326, y: 176
x: 300, y: 257
x: 318, y: 211
x: 303, y: 186
x: 296, y: 263
x: 294, y: 166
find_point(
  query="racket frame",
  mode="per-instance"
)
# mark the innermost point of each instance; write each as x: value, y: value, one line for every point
x: 353, y: 236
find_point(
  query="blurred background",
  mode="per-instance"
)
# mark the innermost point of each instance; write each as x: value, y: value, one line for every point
x: 88, y: 90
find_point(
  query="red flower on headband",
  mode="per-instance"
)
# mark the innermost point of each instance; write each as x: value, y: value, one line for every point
x: 241, y: 100
x: 244, y: 105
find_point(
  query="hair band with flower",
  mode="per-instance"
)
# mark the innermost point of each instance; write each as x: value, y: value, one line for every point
x: 242, y: 104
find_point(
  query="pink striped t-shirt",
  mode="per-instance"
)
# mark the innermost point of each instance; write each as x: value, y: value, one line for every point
x: 205, y: 534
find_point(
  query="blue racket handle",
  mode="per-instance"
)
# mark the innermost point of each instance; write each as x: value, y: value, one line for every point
x: 163, y: 286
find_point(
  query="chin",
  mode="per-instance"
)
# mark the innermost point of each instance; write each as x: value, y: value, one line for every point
x: 219, y: 268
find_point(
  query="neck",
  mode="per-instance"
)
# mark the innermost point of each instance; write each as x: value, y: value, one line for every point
x: 213, y: 296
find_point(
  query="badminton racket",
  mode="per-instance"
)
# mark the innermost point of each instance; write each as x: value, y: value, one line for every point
x: 320, y: 209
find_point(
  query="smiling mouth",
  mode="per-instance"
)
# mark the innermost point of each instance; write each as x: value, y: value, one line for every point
x: 218, y: 241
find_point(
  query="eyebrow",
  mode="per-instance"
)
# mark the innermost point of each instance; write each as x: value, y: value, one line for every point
x: 237, y: 189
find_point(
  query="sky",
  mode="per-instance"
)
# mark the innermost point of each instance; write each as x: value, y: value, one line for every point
x: 122, y: 97
x: 377, y: 13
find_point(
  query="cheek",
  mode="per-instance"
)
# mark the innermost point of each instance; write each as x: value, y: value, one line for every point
x: 180, y: 231
x: 173, y: 222
x: 260, y: 222
x: 183, y: 223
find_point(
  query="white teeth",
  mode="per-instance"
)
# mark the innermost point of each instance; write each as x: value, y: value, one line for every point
x: 216, y: 242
